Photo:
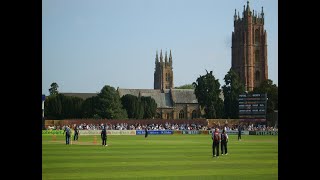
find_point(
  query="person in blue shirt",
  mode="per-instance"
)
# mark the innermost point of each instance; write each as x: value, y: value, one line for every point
x: 239, y: 133
x: 67, y: 132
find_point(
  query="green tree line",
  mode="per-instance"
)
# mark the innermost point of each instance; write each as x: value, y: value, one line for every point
x: 107, y: 105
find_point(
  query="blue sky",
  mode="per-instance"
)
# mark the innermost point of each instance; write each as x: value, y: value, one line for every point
x: 87, y: 44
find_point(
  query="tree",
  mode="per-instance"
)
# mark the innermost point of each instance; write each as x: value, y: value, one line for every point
x: 133, y: 106
x: 59, y: 106
x: 53, y: 107
x: 139, y: 107
x: 71, y: 106
x: 207, y: 91
x: 89, y: 107
x: 271, y: 89
x: 150, y: 107
x: 109, y: 104
x: 186, y: 86
x: 231, y: 90
x: 54, y: 89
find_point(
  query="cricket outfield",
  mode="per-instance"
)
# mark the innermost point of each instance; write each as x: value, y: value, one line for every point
x: 159, y: 157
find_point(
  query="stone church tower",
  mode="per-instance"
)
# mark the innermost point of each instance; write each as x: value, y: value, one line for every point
x: 249, y: 48
x: 163, y: 74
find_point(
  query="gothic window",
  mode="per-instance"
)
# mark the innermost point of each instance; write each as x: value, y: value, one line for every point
x: 181, y: 114
x: 194, y: 114
x: 257, y: 56
x: 257, y: 76
x: 257, y: 36
x: 166, y: 76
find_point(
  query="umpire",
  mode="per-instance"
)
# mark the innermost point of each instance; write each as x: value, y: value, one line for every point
x: 104, y: 136
x: 215, y: 143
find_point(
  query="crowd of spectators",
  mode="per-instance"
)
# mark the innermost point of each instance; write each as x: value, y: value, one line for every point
x: 167, y: 126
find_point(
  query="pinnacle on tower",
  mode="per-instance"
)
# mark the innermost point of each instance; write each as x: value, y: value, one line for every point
x: 170, y: 57
x: 166, y: 58
x: 157, y: 59
x: 235, y: 14
x: 248, y: 12
x: 262, y: 14
x: 161, y: 58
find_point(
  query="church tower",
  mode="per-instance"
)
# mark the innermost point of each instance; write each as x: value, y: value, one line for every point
x: 249, y: 47
x: 163, y: 74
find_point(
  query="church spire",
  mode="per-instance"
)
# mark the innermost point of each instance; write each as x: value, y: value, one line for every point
x: 235, y: 15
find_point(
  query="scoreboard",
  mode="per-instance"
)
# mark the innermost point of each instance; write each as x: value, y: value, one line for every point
x: 253, y: 107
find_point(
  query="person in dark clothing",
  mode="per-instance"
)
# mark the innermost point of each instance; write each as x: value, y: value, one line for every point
x: 145, y: 132
x: 104, y: 136
x: 67, y: 132
x: 224, y: 141
x: 76, y: 133
x: 215, y: 143
x: 239, y: 133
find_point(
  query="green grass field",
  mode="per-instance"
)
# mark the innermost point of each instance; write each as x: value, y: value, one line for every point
x: 159, y: 157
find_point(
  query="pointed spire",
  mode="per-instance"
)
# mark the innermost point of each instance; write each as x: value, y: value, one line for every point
x: 170, y: 57
x: 166, y: 58
x: 248, y: 7
x: 161, y: 60
x: 238, y: 15
x: 244, y: 10
x: 235, y: 14
x: 157, y: 59
x: 262, y: 15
